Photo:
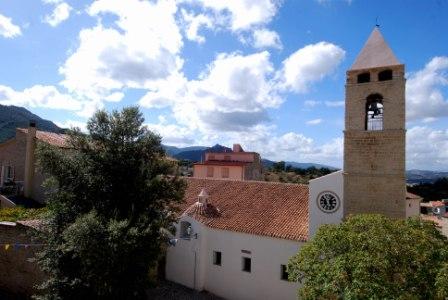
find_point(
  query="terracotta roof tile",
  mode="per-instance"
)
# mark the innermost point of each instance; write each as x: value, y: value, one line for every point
x: 276, y: 210
x: 55, y: 139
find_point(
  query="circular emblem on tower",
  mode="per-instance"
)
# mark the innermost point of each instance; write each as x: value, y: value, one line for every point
x: 328, y: 202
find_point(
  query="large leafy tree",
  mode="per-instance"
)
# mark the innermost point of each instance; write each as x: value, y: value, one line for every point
x: 373, y: 257
x: 111, y: 193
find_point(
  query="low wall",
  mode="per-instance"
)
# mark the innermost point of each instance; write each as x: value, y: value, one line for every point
x: 5, y: 202
x: 19, y: 272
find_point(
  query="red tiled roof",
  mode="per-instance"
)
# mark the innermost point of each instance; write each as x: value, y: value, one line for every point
x: 222, y: 163
x: 436, y: 203
x: 412, y: 196
x: 271, y: 209
x: 55, y: 139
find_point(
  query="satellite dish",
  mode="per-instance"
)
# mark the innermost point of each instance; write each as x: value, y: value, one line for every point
x: 172, y: 242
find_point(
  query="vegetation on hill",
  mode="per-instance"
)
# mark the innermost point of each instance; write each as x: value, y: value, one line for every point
x: 286, y: 173
x: 20, y: 213
x: 12, y: 117
x: 111, y: 197
x: 431, y: 191
x: 373, y: 257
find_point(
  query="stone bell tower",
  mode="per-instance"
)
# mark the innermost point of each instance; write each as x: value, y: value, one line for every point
x: 374, y: 136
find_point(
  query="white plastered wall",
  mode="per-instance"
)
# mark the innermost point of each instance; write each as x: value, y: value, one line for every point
x: 334, y: 183
x: 228, y: 280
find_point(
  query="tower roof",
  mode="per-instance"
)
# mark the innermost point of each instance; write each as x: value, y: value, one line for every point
x: 376, y: 53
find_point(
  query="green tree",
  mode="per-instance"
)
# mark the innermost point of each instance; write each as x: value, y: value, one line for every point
x: 373, y: 257
x: 111, y: 195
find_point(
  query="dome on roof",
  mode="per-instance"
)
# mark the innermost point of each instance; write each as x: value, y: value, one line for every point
x: 199, y: 209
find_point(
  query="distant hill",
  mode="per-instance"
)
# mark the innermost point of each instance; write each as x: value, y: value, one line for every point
x: 268, y: 164
x: 193, y: 153
x: 12, y: 117
x: 424, y: 176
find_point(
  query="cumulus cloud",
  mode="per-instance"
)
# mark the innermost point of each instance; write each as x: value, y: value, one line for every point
x: 7, y: 28
x: 140, y: 49
x: 232, y: 94
x: 72, y: 124
x: 193, y: 24
x: 243, y: 14
x: 311, y: 103
x: 60, y: 13
x: 426, y: 148
x: 264, y: 38
x: 39, y: 96
x: 424, y: 96
x: 309, y: 64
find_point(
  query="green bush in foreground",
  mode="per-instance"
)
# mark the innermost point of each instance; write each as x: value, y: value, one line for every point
x: 20, y: 213
x: 373, y: 257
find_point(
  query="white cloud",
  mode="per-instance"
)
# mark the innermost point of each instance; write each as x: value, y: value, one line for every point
x: 264, y: 38
x: 243, y: 14
x: 193, y: 25
x: 39, y: 96
x: 424, y: 97
x: 61, y: 12
x: 7, y: 28
x: 71, y: 124
x: 335, y: 103
x: 138, y: 51
x: 427, y: 148
x: 309, y: 64
x: 314, y: 122
x: 232, y: 94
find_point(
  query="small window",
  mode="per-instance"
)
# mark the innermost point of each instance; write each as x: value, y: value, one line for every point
x: 385, y: 75
x: 364, y: 77
x: 9, y: 173
x: 225, y: 172
x: 283, y: 273
x: 247, y: 264
x: 209, y: 171
x: 217, y: 258
x: 185, y: 230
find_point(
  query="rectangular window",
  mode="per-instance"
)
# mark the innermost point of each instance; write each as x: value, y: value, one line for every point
x: 247, y: 264
x: 9, y: 173
x: 283, y: 273
x: 209, y: 171
x: 225, y: 172
x: 217, y: 258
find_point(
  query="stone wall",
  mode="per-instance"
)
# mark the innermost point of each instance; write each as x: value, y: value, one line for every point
x: 19, y: 272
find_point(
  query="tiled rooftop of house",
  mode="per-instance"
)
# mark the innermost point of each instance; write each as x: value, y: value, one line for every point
x: 270, y: 209
x: 412, y: 196
x: 55, y: 139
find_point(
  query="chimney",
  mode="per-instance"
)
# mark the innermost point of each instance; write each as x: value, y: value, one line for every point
x: 29, y: 159
x: 237, y: 148
x: 203, y: 196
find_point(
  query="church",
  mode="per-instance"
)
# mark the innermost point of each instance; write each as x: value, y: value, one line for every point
x: 234, y: 236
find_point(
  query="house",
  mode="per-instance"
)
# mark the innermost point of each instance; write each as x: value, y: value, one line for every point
x: 234, y: 238
x: 237, y: 164
x: 434, y: 208
x: 18, y: 175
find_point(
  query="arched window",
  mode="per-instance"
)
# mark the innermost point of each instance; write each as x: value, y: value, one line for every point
x: 385, y: 75
x: 364, y: 77
x: 185, y: 230
x: 374, y: 112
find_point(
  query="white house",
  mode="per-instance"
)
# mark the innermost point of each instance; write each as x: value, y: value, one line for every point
x: 236, y: 237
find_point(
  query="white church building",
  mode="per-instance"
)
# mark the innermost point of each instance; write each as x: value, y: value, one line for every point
x: 234, y: 237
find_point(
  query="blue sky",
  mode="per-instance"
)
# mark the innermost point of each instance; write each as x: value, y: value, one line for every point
x: 264, y: 73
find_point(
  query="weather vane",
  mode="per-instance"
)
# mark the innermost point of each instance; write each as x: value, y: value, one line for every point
x: 376, y: 22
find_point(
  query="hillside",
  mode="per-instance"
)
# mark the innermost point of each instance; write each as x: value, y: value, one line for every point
x: 12, y: 117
